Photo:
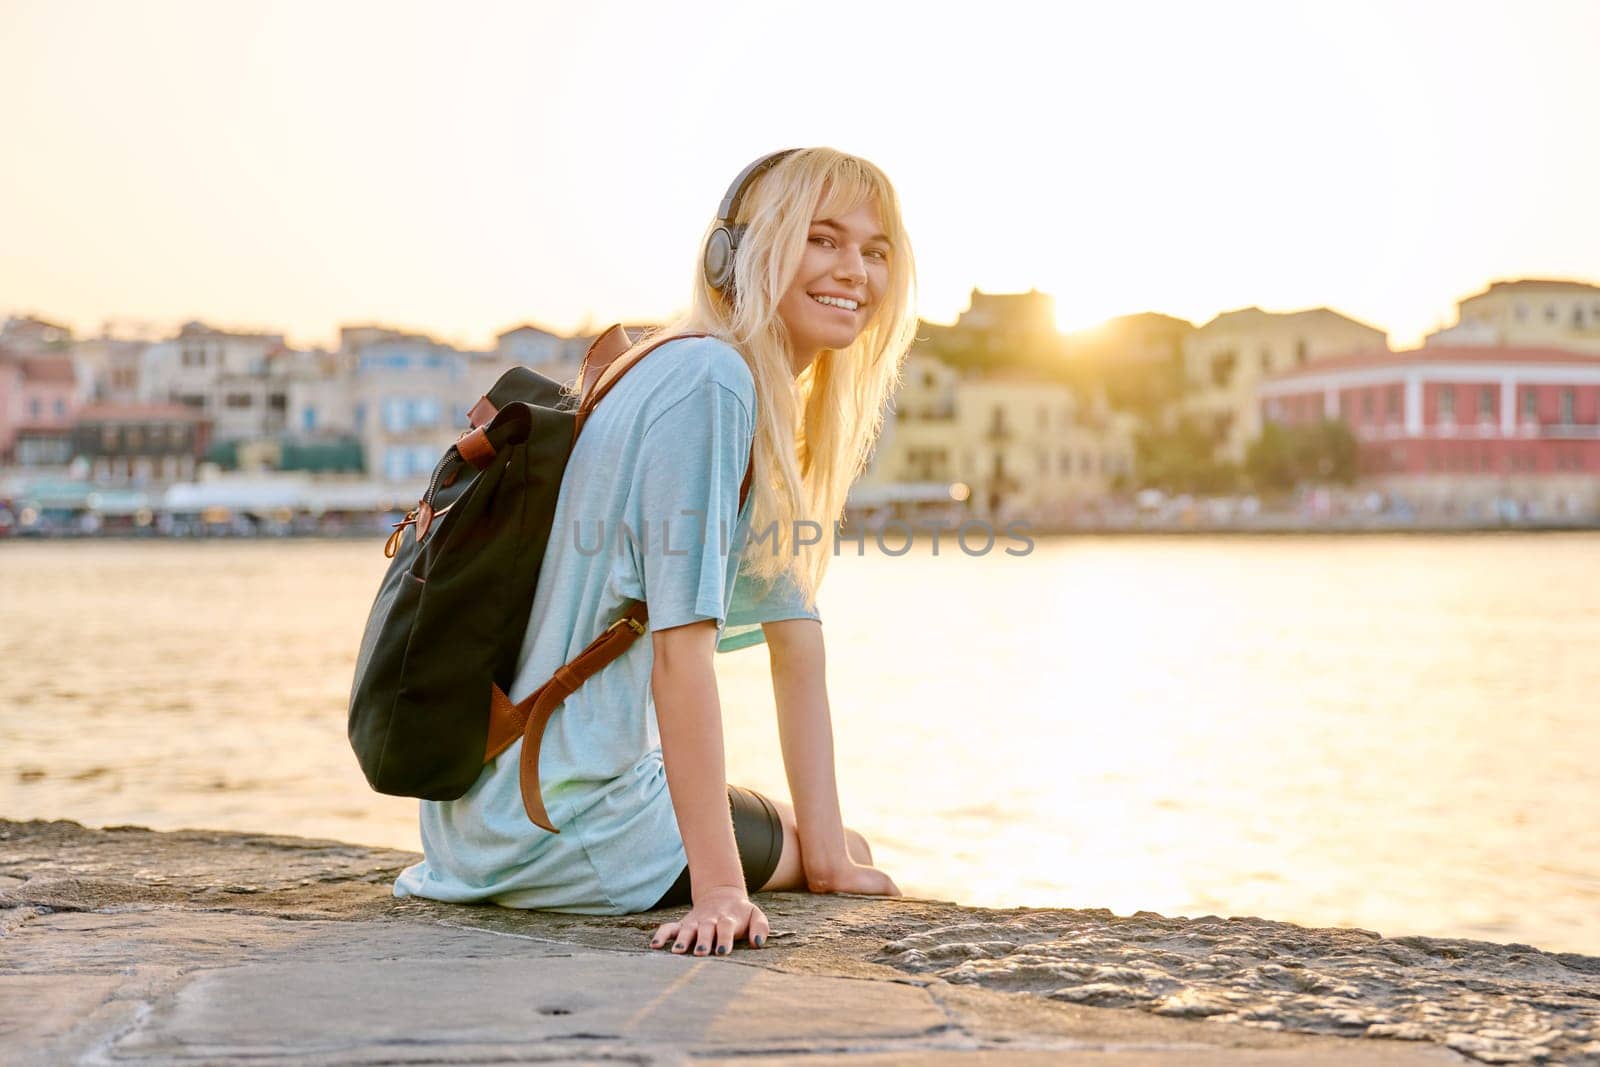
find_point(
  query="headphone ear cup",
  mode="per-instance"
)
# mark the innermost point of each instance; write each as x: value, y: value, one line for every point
x: 720, y: 248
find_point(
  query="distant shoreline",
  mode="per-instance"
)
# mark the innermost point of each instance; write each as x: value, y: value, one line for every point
x: 946, y: 537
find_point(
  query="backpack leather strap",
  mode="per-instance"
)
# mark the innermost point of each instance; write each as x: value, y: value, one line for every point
x: 528, y: 717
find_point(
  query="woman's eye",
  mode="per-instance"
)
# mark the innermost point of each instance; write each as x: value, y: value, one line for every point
x: 880, y: 253
x: 819, y: 239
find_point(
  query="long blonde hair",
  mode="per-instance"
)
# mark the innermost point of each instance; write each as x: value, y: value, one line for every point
x: 815, y: 431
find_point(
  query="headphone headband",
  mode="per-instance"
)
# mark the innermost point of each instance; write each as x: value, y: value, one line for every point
x: 728, y: 210
x: 717, y: 260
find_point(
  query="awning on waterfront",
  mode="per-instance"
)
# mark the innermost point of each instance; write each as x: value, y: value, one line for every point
x: 252, y: 495
x: 868, y: 496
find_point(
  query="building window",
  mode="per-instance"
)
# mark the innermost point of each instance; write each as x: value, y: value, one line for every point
x: 1366, y: 404
x: 1530, y: 404
x: 394, y: 421
x: 1522, y: 311
x: 425, y: 411
x: 1551, y: 313
x: 108, y: 438
x: 1066, y: 463
x: 238, y: 400
x: 1394, y: 401
x: 1486, y: 402
x: 33, y: 408
x: 61, y: 409
x: 1447, y: 402
x: 174, y: 434
x: 1301, y: 352
x: 1222, y: 368
x: 1568, y: 400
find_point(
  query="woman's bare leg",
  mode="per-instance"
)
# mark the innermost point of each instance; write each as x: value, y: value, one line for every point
x: 790, y: 873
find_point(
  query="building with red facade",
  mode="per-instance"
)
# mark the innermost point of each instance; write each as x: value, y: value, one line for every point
x: 1461, y: 426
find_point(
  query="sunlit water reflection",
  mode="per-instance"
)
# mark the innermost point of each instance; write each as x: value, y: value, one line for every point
x: 1394, y: 733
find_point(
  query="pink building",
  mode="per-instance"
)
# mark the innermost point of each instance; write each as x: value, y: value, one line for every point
x: 38, y: 398
x: 1461, y: 424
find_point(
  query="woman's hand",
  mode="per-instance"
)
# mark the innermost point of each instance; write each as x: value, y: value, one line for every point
x: 852, y: 877
x: 720, y: 916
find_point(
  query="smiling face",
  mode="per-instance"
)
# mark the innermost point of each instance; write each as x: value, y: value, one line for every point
x: 842, y: 278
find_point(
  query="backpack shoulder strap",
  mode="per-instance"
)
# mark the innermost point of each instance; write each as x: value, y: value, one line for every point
x: 608, y: 360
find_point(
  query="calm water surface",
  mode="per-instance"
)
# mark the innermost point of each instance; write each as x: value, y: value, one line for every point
x: 1393, y: 733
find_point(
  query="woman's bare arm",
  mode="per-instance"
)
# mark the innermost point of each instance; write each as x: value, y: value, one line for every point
x: 805, y: 731
x: 689, y: 714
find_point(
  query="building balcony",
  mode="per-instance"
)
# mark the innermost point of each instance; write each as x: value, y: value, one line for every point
x: 1570, y: 431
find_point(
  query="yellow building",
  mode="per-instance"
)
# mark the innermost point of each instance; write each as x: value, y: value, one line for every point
x: 1003, y: 445
x: 1226, y: 358
x: 1529, y: 313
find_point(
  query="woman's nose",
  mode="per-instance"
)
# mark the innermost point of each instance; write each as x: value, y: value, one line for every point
x: 852, y: 266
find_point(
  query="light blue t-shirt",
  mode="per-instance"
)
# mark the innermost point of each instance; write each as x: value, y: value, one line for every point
x: 646, y: 511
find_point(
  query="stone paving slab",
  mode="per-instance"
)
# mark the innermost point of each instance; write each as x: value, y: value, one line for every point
x: 128, y: 946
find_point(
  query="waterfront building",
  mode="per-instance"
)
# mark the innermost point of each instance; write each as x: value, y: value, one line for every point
x: 237, y: 382
x: 321, y: 396
x: 1227, y: 358
x: 1002, y: 445
x: 1136, y: 361
x: 109, y: 368
x: 537, y: 349
x: 410, y: 397
x: 140, y: 444
x: 997, y: 331
x: 1475, y: 427
x: 38, y: 397
x: 1527, y: 313
x: 26, y: 335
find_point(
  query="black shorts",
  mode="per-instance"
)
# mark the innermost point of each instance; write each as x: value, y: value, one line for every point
x: 759, y: 834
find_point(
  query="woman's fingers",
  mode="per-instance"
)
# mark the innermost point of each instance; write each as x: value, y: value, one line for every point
x: 725, y: 930
x: 664, y: 933
x: 708, y: 938
x: 712, y: 934
x: 759, y: 928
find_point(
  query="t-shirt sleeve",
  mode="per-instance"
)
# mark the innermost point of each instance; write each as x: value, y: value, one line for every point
x: 686, y: 497
x: 755, y: 603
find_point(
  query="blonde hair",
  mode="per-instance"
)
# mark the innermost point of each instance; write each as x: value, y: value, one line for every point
x: 814, y: 432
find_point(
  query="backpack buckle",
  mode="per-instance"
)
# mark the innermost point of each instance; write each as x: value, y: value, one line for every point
x: 630, y: 622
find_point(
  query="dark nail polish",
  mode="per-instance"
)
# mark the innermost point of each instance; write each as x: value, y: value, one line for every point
x: 722, y: 950
x: 761, y: 939
x: 700, y: 950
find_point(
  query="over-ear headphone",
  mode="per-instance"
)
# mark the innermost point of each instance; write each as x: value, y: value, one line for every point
x: 724, y: 240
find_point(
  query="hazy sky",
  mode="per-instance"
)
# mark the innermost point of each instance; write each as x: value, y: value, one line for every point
x: 464, y: 167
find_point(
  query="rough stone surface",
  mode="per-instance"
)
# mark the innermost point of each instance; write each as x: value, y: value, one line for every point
x: 124, y: 945
x: 1494, y: 1003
